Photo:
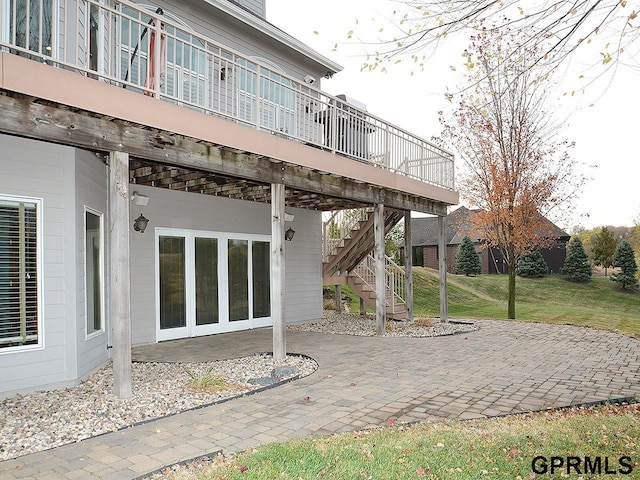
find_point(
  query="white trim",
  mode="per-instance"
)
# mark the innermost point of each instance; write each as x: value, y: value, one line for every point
x: 223, y: 325
x: 100, y: 215
x: 274, y: 32
x: 39, y: 202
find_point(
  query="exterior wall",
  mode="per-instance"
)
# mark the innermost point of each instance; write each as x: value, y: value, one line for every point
x: 255, y: 6
x: 181, y: 210
x: 91, y: 191
x: 45, y: 171
x: 225, y: 29
x: 431, y: 258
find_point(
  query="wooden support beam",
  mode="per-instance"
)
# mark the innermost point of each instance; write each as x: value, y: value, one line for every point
x: 277, y: 271
x: 408, y: 266
x: 338, y: 298
x: 442, y: 267
x: 22, y: 117
x: 381, y: 284
x: 119, y: 272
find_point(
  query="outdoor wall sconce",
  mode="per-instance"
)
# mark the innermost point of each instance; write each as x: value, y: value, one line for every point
x: 140, y: 225
x: 224, y: 73
x: 288, y: 235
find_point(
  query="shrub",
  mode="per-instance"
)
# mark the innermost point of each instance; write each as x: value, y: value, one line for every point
x: 467, y: 259
x: 624, y: 259
x: 576, y: 266
x: 532, y: 265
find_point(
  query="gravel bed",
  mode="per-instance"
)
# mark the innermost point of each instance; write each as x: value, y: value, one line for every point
x: 47, y: 419
x: 356, y: 324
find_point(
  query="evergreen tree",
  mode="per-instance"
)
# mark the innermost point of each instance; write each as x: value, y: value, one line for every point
x: 576, y: 266
x: 624, y: 259
x: 604, y: 246
x: 532, y: 265
x: 467, y: 259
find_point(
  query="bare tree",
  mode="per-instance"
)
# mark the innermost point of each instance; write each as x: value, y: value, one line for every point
x: 515, y: 170
x: 564, y: 26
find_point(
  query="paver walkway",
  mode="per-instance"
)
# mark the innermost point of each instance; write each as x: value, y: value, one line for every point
x: 503, y: 368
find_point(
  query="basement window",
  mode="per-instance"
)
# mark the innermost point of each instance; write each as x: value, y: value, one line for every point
x: 20, y: 315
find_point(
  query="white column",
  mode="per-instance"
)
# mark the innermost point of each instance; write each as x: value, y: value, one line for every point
x: 408, y: 265
x: 381, y: 287
x: 119, y: 272
x: 277, y: 271
x: 442, y: 267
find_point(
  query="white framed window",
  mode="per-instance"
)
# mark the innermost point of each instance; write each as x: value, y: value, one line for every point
x: 29, y: 24
x: 20, y: 273
x: 266, y: 96
x: 93, y: 271
x: 185, y: 64
x: 211, y: 282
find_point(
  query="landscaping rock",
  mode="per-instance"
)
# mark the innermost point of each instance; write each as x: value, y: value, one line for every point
x: 263, y: 381
x: 284, y: 371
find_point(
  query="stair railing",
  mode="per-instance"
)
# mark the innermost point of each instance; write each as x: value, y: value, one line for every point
x: 339, y: 227
x: 394, y: 279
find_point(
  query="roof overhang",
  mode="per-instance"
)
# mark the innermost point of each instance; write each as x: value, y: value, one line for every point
x: 274, y: 32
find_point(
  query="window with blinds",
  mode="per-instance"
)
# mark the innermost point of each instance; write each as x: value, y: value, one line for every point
x: 19, y: 306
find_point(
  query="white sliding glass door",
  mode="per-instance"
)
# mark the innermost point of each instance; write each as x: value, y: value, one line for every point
x: 210, y: 282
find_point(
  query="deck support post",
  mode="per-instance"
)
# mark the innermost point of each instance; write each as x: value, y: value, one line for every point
x: 381, y: 290
x: 408, y: 266
x: 338, y: 298
x: 277, y: 271
x: 119, y: 272
x: 442, y: 267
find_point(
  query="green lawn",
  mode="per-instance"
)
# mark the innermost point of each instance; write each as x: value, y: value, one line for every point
x: 552, y: 299
x: 497, y: 448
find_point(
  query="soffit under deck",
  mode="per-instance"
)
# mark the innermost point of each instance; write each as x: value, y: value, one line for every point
x: 159, y: 175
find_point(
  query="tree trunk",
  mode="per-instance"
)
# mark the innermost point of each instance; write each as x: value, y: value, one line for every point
x: 511, y: 309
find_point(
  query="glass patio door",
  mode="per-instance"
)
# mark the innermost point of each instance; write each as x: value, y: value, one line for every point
x: 210, y: 282
x: 172, y: 298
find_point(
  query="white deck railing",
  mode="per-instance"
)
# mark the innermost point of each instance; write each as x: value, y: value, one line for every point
x: 394, y: 279
x: 116, y: 42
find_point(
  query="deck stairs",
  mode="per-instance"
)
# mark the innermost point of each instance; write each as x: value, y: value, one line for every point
x: 348, y: 244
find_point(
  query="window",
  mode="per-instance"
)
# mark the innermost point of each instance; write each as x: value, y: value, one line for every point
x: 211, y: 282
x: 30, y: 25
x: 267, y: 94
x: 19, y: 272
x: 94, y: 271
x: 184, y: 66
x: 172, y: 282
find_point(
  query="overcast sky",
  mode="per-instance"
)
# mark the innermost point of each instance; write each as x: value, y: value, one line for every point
x: 603, y: 122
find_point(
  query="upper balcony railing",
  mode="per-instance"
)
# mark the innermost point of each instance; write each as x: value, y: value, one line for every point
x: 156, y: 54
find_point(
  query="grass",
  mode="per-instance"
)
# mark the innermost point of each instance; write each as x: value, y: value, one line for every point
x: 481, y: 449
x: 552, y: 299
x: 206, y: 382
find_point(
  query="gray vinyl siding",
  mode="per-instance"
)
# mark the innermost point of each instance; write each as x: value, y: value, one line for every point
x: 255, y: 6
x: 46, y: 171
x: 230, y: 32
x: 181, y: 210
x: 91, y: 191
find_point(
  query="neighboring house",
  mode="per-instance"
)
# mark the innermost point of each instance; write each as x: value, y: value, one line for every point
x: 459, y: 224
x: 200, y: 122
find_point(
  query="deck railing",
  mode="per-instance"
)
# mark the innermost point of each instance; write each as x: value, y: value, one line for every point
x: 394, y: 280
x: 156, y: 54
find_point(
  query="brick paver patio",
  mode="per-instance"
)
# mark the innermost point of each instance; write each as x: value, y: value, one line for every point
x: 506, y: 367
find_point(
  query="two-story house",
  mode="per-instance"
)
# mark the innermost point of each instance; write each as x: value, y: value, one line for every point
x: 163, y: 173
